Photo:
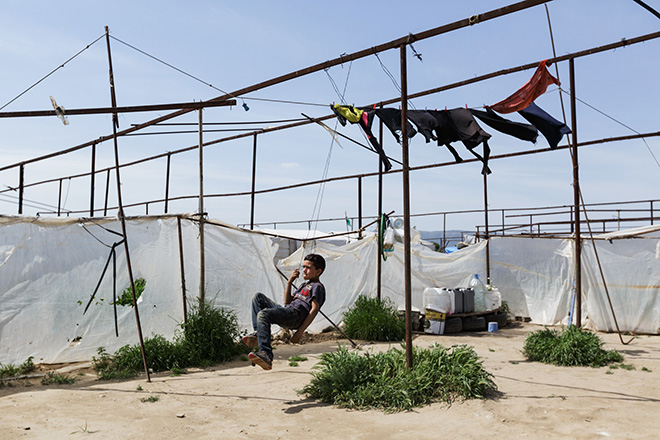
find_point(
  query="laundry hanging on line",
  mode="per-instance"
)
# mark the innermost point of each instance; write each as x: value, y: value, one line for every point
x: 552, y: 129
x: 354, y: 115
x: 532, y: 89
x: 519, y: 130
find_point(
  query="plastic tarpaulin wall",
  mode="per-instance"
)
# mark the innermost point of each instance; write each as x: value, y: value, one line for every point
x: 49, y: 269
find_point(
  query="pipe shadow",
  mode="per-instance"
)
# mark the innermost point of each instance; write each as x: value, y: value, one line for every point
x: 605, y: 393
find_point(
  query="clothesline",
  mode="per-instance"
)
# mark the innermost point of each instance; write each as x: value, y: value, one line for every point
x: 459, y: 124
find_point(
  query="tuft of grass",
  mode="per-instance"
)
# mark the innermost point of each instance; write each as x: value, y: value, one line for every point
x: 11, y: 370
x: 209, y: 336
x: 628, y: 367
x: 374, y: 320
x: 572, y: 346
x: 383, y: 381
x: 293, y: 360
x: 646, y: 369
x: 150, y: 399
x: 57, y: 378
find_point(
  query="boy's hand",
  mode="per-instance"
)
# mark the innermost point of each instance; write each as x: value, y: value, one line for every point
x: 297, y: 336
x: 294, y: 275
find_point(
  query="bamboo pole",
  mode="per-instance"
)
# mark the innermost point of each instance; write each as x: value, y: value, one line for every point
x: 576, y: 199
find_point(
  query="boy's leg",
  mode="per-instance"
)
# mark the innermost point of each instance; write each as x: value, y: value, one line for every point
x: 260, y: 302
x: 282, y: 316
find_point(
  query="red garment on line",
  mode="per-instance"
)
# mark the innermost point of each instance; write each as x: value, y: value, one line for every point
x: 532, y: 89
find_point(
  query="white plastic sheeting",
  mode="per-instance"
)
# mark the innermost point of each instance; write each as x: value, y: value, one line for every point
x: 49, y: 269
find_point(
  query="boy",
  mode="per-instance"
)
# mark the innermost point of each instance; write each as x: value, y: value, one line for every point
x: 298, y: 312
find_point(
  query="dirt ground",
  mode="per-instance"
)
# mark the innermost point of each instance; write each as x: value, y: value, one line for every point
x: 237, y: 401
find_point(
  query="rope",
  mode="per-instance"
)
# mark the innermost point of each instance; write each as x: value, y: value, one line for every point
x: 584, y: 207
x: 204, y: 82
x: 52, y: 71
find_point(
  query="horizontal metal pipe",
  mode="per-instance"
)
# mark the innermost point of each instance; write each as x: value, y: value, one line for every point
x: 123, y: 109
x: 318, y: 67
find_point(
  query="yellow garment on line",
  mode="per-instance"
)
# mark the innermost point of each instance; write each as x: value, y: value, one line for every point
x: 351, y: 113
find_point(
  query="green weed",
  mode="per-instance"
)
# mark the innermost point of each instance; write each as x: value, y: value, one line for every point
x: 11, y: 370
x: 646, y: 369
x: 374, y: 320
x: 293, y: 360
x: 150, y: 399
x: 57, y: 378
x: 383, y: 381
x: 572, y: 346
x: 126, y: 297
x: 627, y: 367
x: 208, y: 337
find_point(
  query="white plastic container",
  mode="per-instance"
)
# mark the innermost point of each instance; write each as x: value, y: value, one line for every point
x: 479, y: 292
x: 492, y: 299
x: 438, y: 299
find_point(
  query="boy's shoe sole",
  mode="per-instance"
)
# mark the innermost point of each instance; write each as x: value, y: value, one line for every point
x: 258, y: 360
x: 250, y: 340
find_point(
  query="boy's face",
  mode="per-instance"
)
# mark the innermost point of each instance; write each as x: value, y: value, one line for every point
x: 310, y: 272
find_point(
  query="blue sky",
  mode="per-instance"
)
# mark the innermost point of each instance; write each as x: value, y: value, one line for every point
x: 235, y: 44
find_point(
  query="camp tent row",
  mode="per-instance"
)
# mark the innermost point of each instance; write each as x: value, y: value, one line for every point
x: 50, y: 267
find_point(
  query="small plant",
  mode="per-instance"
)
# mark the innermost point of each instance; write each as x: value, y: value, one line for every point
x: 126, y: 297
x: 383, y: 380
x: 139, y: 388
x: 646, y: 369
x: 150, y: 399
x: 293, y: 360
x: 178, y: 371
x: 84, y: 430
x: 11, y: 370
x: 57, y: 378
x: 374, y: 320
x: 572, y: 347
x: 628, y: 367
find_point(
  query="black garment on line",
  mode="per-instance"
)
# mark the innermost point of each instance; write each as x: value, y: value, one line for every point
x: 520, y: 130
x: 552, y: 129
x: 365, y: 122
x: 391, y: 117
x: 425, y: 122
x: 459, y: 124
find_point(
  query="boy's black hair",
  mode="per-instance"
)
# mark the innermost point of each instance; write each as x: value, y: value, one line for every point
x: 317, y: 260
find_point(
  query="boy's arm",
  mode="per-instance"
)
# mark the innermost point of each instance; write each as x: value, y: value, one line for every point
x: 310, y: 317
x: 289, y: 284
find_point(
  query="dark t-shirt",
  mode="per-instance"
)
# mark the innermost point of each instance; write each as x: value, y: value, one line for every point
x: 303, y: 296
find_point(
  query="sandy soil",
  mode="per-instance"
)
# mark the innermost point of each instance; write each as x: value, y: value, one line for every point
x: 237, y: 401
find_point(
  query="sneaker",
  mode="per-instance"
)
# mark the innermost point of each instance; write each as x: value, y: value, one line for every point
x: 260, y: 358
x: 250, y: 340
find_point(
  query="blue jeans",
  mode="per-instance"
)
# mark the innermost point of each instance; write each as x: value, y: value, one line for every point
x: 265, y: 312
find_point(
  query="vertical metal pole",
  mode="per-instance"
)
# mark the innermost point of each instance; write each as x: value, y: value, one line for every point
x: 21, y: 179
x: 651, y: 212
x: 92, y: 176
x: 406, y: 204
x: 379, y: 267
x: 254, y: 180
x: 360, y: 205
x: 120, y: 212
x: 167, y: 181
x: 59, y: 199
x: 183, y: 272
x: 107, y: 193
x: 486, y: 230
x: 202, y: 257
x: 576, y: 200
x: 444, y: 229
